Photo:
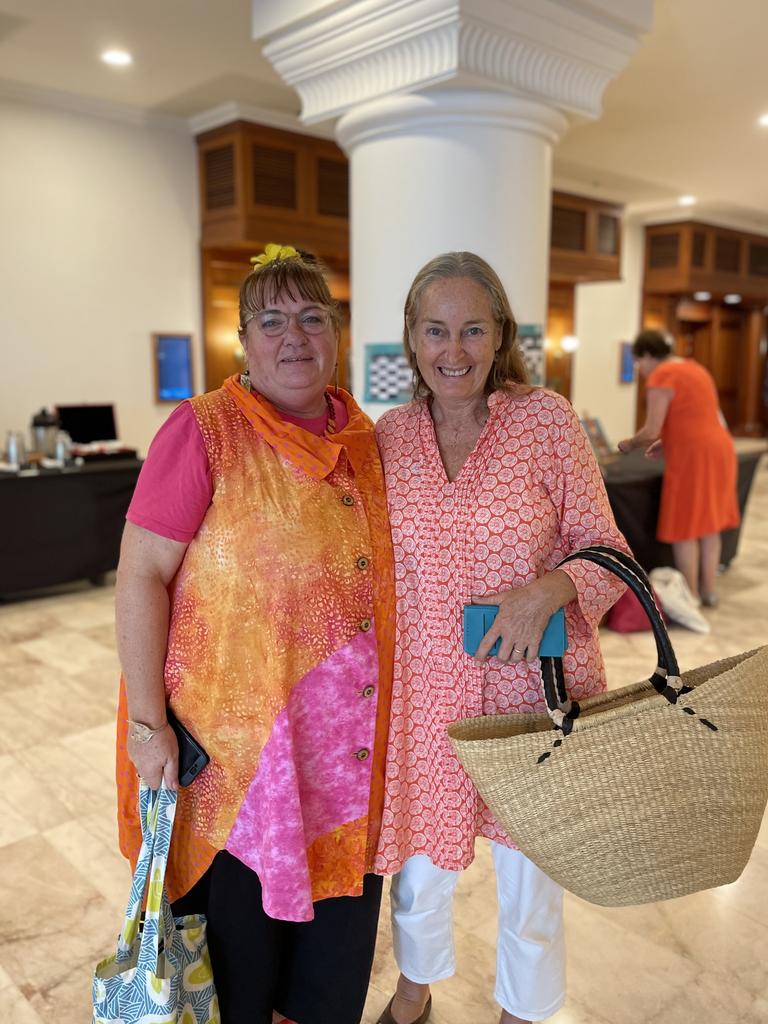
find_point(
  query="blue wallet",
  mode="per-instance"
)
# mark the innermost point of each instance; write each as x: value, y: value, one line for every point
x: 479, y: 617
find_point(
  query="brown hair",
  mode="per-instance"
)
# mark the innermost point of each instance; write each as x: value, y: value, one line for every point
x: 508, y: 366
x: 651, y: 343
x: 301, y: 276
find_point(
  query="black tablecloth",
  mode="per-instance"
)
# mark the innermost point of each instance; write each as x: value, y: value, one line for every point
x: 61, y: 526
x: 634, y: 490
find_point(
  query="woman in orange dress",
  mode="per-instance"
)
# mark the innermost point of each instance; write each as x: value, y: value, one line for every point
x: 698, y: 498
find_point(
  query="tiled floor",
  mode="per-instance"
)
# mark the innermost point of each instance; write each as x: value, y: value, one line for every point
x: 63, y: 884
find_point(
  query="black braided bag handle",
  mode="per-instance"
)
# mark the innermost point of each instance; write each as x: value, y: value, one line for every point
x: 563, y: 711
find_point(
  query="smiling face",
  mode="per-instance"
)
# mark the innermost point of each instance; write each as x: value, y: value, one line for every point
x: 455, y: 339
x: 291, y: 370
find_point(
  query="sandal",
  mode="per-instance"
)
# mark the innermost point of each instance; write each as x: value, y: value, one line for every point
x: 387, y: 1018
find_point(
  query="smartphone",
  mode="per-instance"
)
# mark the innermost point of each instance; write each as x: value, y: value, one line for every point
x: 478, y: 619
x: 192, y: 756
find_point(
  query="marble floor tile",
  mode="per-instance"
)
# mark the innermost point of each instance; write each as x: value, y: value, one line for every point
x: 63, y: 883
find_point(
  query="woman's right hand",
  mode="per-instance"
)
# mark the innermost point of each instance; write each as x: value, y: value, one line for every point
x: 157, y: 759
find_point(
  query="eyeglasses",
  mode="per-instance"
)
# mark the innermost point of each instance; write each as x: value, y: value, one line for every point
x: 273, y: 324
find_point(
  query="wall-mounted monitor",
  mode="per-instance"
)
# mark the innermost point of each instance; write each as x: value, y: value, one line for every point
x: 174, y: 379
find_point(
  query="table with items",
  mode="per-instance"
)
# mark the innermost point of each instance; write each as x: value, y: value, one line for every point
x: 61, y: 525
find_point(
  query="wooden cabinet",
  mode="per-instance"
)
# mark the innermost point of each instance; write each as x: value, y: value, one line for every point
x: 263, y: 184
x: 585, y: 239
x: 690, y: 257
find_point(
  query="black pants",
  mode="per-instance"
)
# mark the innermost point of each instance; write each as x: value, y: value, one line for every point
x: 313, y: 972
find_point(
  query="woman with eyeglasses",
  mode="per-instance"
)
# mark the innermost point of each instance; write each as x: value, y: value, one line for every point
x: 255, y: 599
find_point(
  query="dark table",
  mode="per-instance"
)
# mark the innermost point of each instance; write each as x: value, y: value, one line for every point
x: 634, y: 491
x: 63, y: 525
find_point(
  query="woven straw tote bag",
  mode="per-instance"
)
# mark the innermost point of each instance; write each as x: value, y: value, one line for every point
x: 645, y: 793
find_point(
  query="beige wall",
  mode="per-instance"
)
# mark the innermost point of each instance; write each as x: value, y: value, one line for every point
x: 98, y: 249
x: 607, y: 313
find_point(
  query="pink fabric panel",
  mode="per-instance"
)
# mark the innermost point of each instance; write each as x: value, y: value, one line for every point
x: 309, y: 780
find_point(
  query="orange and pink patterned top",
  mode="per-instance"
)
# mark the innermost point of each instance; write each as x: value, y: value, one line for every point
x: 280, y: 657
x: 529, y: 493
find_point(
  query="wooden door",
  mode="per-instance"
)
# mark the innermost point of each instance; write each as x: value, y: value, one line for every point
x: 726, y: 358
x: 560, y: 320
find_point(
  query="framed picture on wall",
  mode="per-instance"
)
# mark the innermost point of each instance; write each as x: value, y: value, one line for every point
x: 172, y: 354
x: 626, y: 363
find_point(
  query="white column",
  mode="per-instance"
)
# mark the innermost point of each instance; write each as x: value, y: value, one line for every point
x: 439, y: 171
x: 448, y: 111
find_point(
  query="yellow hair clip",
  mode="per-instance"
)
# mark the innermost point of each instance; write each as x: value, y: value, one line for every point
x: 273, y: 252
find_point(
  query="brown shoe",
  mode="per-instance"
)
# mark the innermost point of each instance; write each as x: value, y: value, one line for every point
x: 387, y: 1018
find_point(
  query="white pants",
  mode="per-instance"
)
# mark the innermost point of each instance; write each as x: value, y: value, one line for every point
x: 530, y: 949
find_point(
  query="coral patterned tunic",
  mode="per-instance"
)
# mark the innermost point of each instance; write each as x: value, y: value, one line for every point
x: 529, y: 493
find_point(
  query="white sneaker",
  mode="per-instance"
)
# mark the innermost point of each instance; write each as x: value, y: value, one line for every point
x: 677, y: 600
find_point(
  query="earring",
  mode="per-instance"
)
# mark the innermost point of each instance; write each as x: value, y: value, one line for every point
x: 336, y: 379
x: 245, y: 379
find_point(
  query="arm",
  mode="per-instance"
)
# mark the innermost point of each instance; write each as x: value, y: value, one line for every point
x: 657, y: 406
x: 148, y: 562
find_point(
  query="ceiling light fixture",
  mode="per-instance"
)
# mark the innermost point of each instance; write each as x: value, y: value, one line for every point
x: 687, y: 200
x: 117, y: 58
x: 702, y: 296
x: 732, y: 299
x: 763, y: 120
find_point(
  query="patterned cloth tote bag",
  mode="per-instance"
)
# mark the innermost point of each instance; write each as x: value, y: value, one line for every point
x: 158, y: 975
x: 644, y: 793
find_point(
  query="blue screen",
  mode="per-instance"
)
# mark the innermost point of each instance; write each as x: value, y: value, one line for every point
x: 174, y: 367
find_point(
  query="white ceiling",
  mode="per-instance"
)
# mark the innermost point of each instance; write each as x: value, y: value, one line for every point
x: 681, y: 119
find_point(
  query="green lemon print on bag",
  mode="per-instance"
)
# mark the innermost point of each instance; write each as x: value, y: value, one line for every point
x: 198, y: 975
x: 155, y: 898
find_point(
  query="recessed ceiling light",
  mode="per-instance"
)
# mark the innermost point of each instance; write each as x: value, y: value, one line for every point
x: 763, y: 120
x: 687, y: 200
x: 732, y: 299
x: 117, y: 58
x: 702, y: 296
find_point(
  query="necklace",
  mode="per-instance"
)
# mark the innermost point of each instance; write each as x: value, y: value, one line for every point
x: 330, y: 427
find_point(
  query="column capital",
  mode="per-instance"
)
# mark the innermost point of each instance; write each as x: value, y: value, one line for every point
x: 559, y: 52
x: 432, y: 111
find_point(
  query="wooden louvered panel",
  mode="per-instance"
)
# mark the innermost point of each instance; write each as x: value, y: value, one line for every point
x: 332, y: 188
x: 569, y: 229
x: 607, y: 234
x: 274, y: 176
x: 698, y: 249
x: 219, y: 170
x: 758, y: 259
x: 663, y: 250
x: 727, y: 250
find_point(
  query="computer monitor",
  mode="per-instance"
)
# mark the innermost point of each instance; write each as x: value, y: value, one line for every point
x: 86, y: 423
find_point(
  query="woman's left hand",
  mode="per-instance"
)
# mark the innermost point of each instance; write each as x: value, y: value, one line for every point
x: 523, y: 616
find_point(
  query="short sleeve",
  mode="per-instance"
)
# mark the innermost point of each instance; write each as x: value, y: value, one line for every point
x: 662, y: 377
x: 174, y: 489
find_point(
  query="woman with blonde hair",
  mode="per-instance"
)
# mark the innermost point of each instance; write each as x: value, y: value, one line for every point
x: 490, y: 483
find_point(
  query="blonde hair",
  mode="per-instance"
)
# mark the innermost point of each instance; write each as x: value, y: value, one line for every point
x: 508, y: 366
x: 301, y: 276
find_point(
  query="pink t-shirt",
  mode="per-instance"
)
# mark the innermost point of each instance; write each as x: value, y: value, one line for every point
x: 173, y: 491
